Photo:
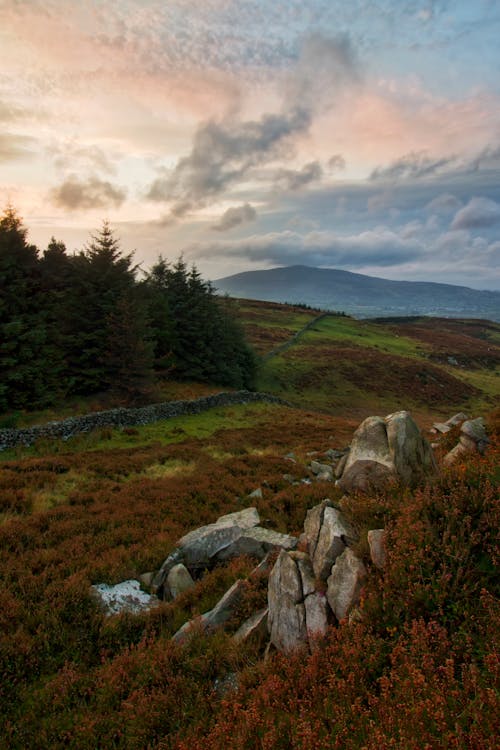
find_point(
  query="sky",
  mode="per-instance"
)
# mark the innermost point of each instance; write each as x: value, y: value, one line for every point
x: 249, y: 134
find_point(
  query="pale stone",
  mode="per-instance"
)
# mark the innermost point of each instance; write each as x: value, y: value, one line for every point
x: 468, y: 443
x: 339, y: 469
x: 126, y: 596
x: 312, y: 524
x: 317, y: 611
x: 217, y: 616
x: 376, y: 542
x: 333, y: 536
x: 456, y: 419
x: 345, y: 583
x: 442, y: 427
x: 178, y: 580
x: 306, y: 572
x: 245, y: 519
x: 256, y: 494
x: 456, y: 453
x: 286, y: 619
x: 254, y: 627
x: 256, y: 542
x: 411, y: 453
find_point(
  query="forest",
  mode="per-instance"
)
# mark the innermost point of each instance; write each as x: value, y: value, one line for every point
x: 92, y: 321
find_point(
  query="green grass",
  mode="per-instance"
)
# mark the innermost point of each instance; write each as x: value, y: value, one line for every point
x: 362, y: 333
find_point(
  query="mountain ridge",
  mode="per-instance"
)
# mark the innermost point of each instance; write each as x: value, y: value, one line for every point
x: 360, y: 294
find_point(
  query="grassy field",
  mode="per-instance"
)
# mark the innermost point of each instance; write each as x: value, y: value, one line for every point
x: 419, y: 670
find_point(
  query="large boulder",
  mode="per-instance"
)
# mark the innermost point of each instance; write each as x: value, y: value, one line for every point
x: 385, y: 450
x: 345, y: 583
x: 256, y: 542
x: 297, y: 612
x: 178, y: 580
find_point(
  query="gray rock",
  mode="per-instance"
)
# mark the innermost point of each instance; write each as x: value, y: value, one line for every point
x: 312, y: 524
x: 286, y: 619
x: 178, y: 580
x: 146, y: 579
x: 126, y: 596
x: 306, y: 572
x: 456, y: 419
x: 456, y: 453
x: 319, y: 468
x: 386, y: 449
x: 332, y: 454
x: 245, y: 519
x: 256, y: 542
x: 326, y: 475
x: 174, y: 558
x: 199, y: 547
x: 317, y: 615
x: 376, y: 542
x: 475, y: 429
x: 345, y: 583
x: 341, y: 465
x: 468, y: 443
x: 215, y: 617
x: 254, y: 627
x: 256, y: 494
x: 333, y: 537
x: 442, y: 427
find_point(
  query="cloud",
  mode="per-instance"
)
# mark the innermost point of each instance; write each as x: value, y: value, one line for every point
x: 443, y: 204
x: 291, y: 179
x: 90, y: 193
x: 319, y: 248
x: 233, y: 217
x: 222, y: 154
x: 14, y: 146
x: 75, y: 155
x: 225, y: 152
x: 414, y: 165
x: 336, y: 163
x: 478, y: 213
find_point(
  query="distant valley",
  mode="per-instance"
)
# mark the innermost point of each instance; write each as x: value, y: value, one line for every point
x: 360, y: 295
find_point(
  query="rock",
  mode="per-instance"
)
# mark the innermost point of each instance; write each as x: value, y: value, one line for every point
x: 326, y: 475
x: 256, y: 494
x: 126, y: 596
x: 475, y: 430
x: 332, y: 454
x: 334, y: 534
x: 364, y: 476
x: 174, y: 558
x: 256, y: 542
x: 306, y: 572
x: 384, y: 450
x: 411, y: 454
x: 441, y: 427
x: 344, y: 583
x: 199, y: 547
x: 146, y: 579
x: 341, y: 465
x: 312, y: 524
x: 254, y: 627
x: 468, y: 443
x: 217, y: 616
x: 317, y: 615
x: 178, y: 580
x: 318, y: 468
x: 287, y: 618
x: 458, y: 452
x: 456, y: 419
x: 245, y: 519
x: 289, y: 478
x: 376, y: 542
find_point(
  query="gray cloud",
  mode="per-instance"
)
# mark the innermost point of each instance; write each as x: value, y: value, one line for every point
x: 478, y: 213
x: 92, y: 192
x: 412, y: 166
x: 292, y: 179
x: 444, y: 203
x: 336, y: 163
x: 74, y: 156
x: 222, y: 154
x: 320, y: 248
x: 233, y: 217
x: 14, y: 146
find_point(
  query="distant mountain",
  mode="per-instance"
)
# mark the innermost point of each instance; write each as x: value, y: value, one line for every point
x: 360, y: 295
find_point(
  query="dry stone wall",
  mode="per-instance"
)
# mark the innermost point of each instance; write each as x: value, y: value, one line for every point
x: 67, y: 428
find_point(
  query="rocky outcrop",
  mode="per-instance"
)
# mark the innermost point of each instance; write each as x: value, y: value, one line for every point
x: 345, y: 583
x: 230, y: 536
x: 385, y: 450
x: 215, y: 617
x: 327, y: 533
x: 473, y: 439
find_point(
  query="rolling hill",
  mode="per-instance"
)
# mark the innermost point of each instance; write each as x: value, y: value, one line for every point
x: 360, y: 295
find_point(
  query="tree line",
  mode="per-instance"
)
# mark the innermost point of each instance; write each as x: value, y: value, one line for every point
x: 84, y: 323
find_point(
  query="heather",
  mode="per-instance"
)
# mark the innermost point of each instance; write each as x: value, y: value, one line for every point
x: 419, y: 670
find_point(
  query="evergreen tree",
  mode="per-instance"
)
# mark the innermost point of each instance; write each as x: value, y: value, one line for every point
x: 24, y: 354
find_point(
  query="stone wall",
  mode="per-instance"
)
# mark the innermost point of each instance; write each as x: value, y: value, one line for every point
x: 66, y: 428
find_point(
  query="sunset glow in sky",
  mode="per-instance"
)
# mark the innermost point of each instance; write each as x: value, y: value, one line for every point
x: 360, y: 134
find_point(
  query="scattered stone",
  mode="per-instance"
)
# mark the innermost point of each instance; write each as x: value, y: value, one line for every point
x: 476, y: 431
x: 215, y: 617
x: 146, y: 579
x: 458, y: 452
x: 178, y: 580
x: 341, y: 465
x: 319, y: 468
x: 344, y: 583
x: 289, y: 478
x: 332, y: 454
x: 442, y: 427
x: 126, y: 596
x: 254, y: 627
x: 325, y: 475
x: 256, y: 494
x: 287, y: 619
x: 376, y: 542
x: 456, y: 419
